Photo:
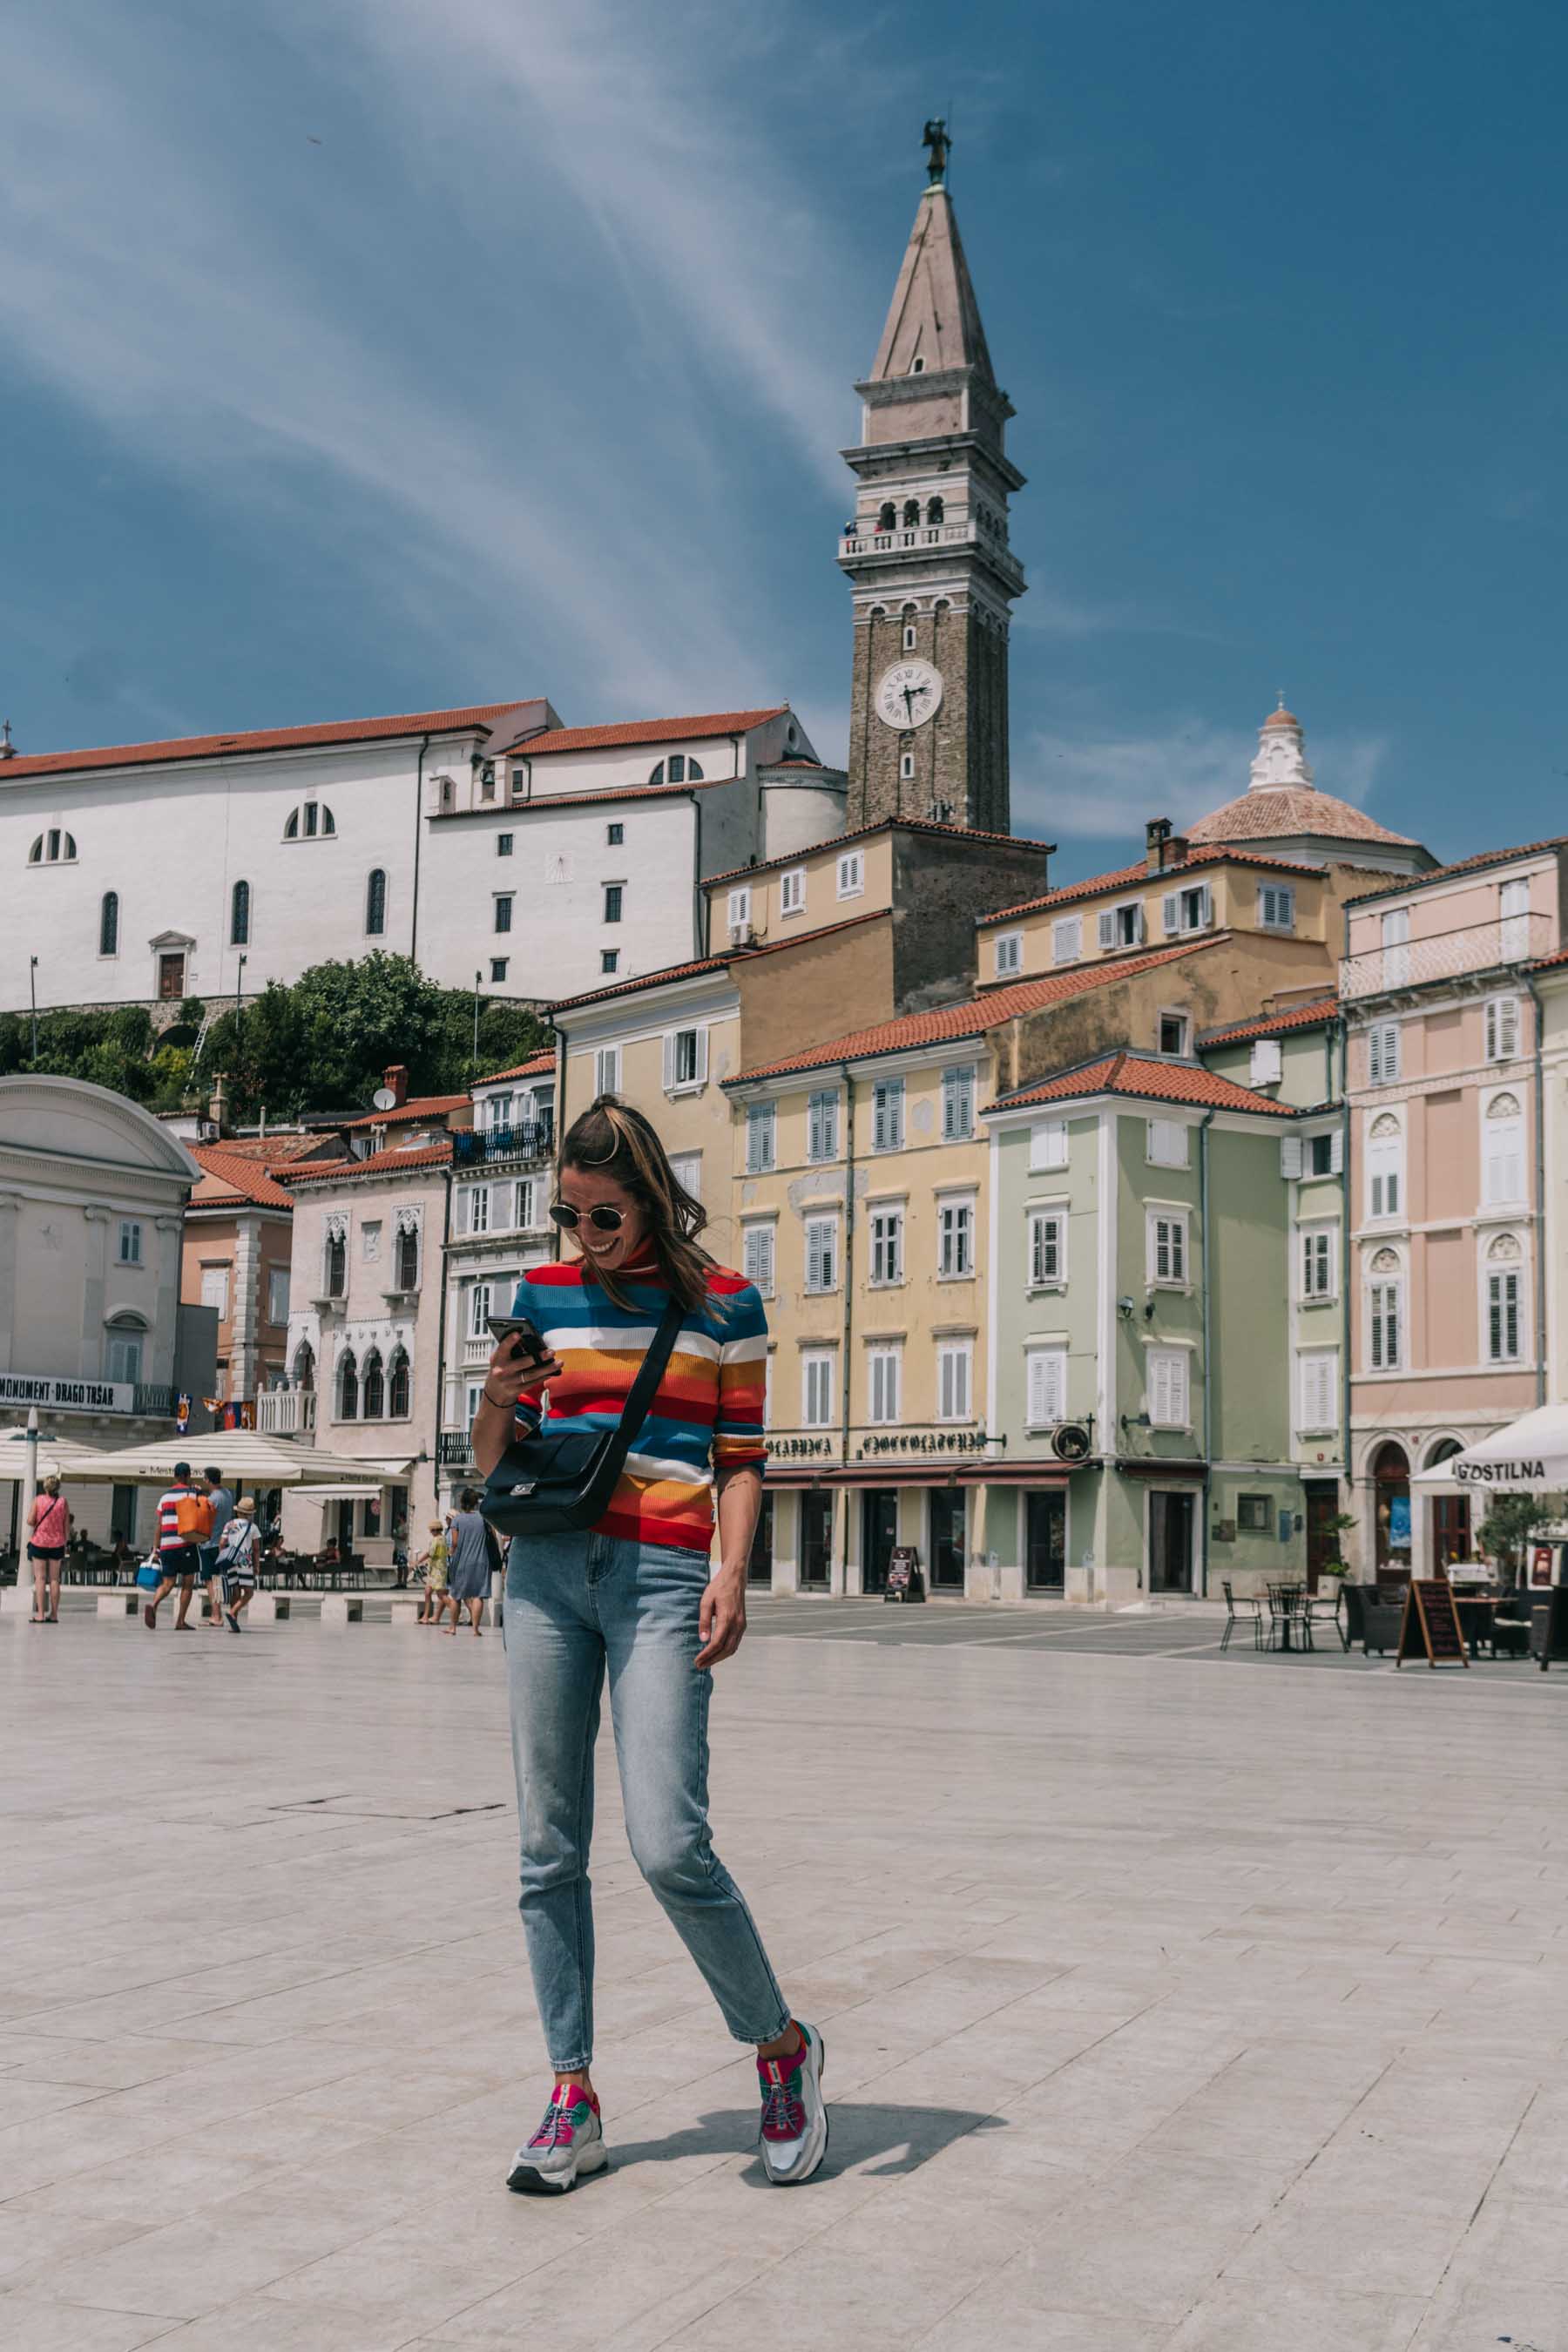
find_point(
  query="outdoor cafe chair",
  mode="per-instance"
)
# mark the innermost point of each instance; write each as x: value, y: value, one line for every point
x: 1248, y: 1610
x: 1286, y: 1608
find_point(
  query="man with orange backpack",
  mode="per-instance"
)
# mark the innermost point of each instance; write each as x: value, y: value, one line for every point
x: 184, y: 1522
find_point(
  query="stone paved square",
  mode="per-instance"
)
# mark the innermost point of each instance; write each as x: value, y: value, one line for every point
x: 1173, y: 2002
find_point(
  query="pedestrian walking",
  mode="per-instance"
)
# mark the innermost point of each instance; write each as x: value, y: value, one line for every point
x: 49, y: 1533
x: 660, y: 1355
x: 238, y: 1555
x: 468, y: 1576
x: 182, y: 1525
x: 220, y: 1501
x: 433, y: 1560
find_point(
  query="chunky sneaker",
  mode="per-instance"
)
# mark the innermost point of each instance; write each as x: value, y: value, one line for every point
x: 569, y: 2142
x: 795, y: 2118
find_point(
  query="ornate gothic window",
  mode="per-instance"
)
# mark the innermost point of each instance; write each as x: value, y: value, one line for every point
x: 887, y: 519
x: 911, y: 513
x: 397, y: 1388
x: 239, y: 916
x: 108, y: 924
x: 304, y: 1365
x: 934, y: 509
x: 347, y: 1387
x: 372, y: 1389
x: 407, y: 1268
x: 337, y: 1262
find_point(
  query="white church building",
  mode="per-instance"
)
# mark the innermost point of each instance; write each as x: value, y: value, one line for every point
x: 487, y: 843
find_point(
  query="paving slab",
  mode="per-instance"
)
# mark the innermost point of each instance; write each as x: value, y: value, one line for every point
x: 1173, y: 2002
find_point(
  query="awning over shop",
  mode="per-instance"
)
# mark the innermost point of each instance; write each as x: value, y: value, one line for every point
x: 66, y: 1454
x: 1529, y: 1457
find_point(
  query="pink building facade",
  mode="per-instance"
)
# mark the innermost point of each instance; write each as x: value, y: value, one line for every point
x: 1444, y: 1093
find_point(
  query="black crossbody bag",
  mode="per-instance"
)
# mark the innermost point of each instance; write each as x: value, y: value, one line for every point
x: 547, y: 1485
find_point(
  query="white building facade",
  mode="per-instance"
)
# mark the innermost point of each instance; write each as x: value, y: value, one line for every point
x: 486, y: 841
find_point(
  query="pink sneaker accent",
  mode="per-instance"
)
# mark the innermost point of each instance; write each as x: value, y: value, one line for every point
x: 784, y: 2115
x: 570, y: 2105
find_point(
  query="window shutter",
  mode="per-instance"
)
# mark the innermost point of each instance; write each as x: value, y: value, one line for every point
x: 1337, y: 1152
x: 1137, y: 931
x: 1037, y: 1401
x: 1289, y: 1155
x: 1107, y: 927
x: 702, y: 1057
x: 669, y: 1059
x: 460, y: 1211
x: 1171, y: 912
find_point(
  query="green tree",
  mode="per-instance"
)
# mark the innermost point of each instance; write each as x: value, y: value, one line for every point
x: 1505, y: 1532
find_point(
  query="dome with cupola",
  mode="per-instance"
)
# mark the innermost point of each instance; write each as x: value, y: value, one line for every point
x: 1283, y: 810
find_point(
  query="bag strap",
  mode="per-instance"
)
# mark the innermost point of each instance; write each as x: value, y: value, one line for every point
x: 645, y: 1388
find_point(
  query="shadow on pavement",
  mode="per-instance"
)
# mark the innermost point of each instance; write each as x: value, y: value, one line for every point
x: 907, y: 2136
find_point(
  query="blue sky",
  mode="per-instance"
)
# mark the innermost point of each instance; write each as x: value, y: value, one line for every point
x: 362, y: 355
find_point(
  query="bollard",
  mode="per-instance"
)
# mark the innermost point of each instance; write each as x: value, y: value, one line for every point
x: 117, y: 1604
x: 268, y: 1609
x: 342, y: 1608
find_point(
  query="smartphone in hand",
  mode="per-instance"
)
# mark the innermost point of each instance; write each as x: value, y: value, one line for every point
x: 531, y: 1341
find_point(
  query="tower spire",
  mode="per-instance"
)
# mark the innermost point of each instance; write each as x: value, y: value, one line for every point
x: 927, y: 551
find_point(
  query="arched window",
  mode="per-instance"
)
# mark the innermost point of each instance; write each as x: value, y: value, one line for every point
x: 373, y: 1395
x: 375, y: 903
x: 36, y: 855
x: 122, y: 1353
x: 312, y: 821
x: 108, y: 924
x: 888, y: 518
x: 1503, y: 1174
x: 347, y: 1387
x: 656, y: 777
x: 53, y: 848
x: 918, y: 365
x: 239, y: 916
x: 337, y: 1264
x: 397, y: 1388
x: 694, y: 772
x: 911, y: 512
x: 407, y: 1257
x: 934, y: 509
x: 304, y: 1365
x: 1391, y: 1509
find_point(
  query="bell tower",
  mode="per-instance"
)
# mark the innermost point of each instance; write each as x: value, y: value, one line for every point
x: 926, y: 553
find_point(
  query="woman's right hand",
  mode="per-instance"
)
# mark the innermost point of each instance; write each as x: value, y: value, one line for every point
x: 511, y: 1370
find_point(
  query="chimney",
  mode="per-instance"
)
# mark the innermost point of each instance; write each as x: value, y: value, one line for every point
x: 1176, y: 849
x: 7, y: 748
x: 1156, y: 834
x: 397, y: 1076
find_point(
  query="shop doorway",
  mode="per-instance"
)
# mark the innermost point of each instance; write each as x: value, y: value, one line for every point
x: 1391, y: 1512
x: 1171, y: 1539
x: 1322, y: 1536
x: 1450, y: 1515
x: 949, y: 1538
x: 878, y: 1534
x: 760, y: 1565
x: 1045, y: 1542
x: 816, y: 1541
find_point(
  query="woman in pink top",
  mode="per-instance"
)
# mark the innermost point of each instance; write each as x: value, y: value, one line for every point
x: 48, y: 1531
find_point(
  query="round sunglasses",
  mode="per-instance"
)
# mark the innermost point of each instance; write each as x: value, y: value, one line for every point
x: 604, y: 1220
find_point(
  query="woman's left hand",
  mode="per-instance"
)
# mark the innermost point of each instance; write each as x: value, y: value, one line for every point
x: 721, y: 1617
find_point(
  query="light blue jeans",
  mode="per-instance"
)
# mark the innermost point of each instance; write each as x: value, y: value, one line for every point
x: 576, y: 1605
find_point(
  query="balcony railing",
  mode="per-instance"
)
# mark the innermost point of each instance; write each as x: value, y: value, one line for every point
x: 454, y: 1449
x: 1447, y: 955
x: 153, y: 1400
x: 923, y: 534
x: 532, y: 1139
x: 285, y: 1413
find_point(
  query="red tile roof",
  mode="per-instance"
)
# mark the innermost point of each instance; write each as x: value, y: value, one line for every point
x: 1276, y: 812
x: 1550, y: 962
x: 732, y: 956
x: 380, y: 1163
x: 272, y: 1150
x: 1402, y: 883
x: 1273, y: 1025
x: 417, y: 1107
x: 235, y: 1175
x: 541, y: 1064
x: 1125, y: 877
x: 974, y: 1016
x: 475, y: 717
x: 883, y: 824
x: 1125, y: 1073
x: 632, y: 731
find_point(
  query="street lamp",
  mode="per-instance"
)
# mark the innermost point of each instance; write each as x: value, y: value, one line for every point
x: 33, y: 999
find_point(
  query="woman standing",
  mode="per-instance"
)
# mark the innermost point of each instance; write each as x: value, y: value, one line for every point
x: 634, y: 1597
x: 468, y: 1576
x: 48, y: 1532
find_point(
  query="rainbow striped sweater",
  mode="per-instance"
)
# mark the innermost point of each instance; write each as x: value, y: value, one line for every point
x: 706, y: 1417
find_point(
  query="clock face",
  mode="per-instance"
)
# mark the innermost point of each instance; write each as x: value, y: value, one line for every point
x: 908, y: 694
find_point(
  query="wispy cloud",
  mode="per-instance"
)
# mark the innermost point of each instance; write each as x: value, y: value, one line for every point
x: 361, y: 315
x: 1099, y: 786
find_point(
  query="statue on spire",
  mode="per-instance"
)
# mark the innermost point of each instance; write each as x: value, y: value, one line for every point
x: 934, y: 136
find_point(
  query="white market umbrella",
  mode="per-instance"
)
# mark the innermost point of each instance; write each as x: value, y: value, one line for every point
x: 248, y: 1458
x: 65, y: 1455
x: 1529, y: 1457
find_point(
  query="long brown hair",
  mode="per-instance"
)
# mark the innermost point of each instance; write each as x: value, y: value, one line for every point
x: 610, y: 1138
